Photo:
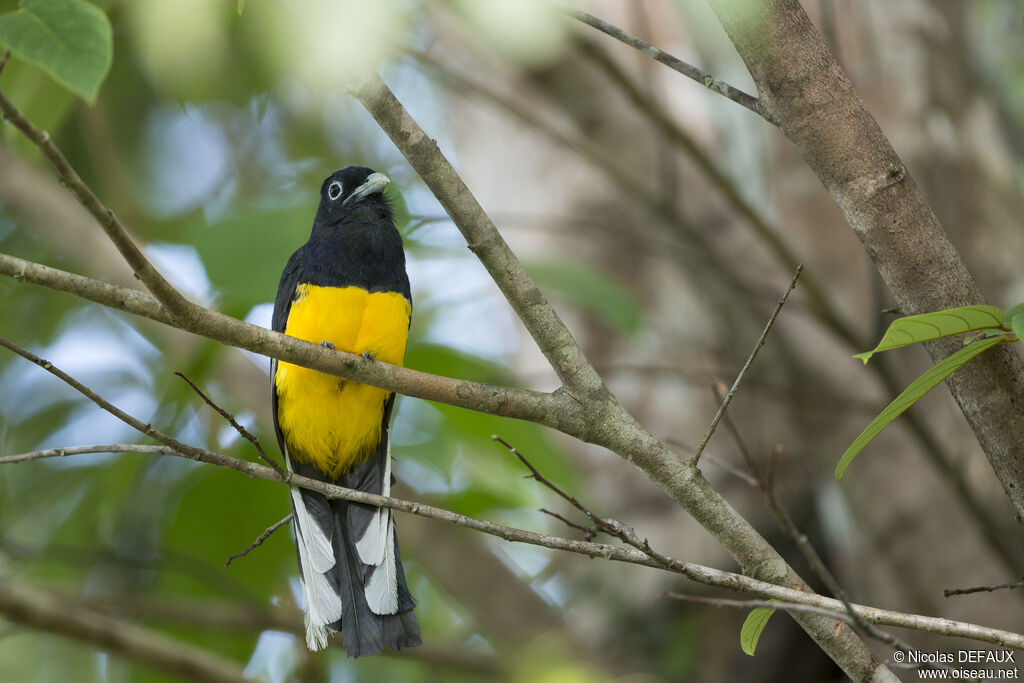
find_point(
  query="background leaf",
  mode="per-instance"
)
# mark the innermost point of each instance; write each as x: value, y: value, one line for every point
x: 909, y: 396
x: 919, y: 328
x: 592, y: 291
x: 752, y: 627
x: 69, y: 39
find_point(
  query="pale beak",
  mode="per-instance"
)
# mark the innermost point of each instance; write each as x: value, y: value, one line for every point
x: 375, y: 184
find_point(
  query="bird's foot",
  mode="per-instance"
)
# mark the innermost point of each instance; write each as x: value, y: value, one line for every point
x: 368, y: 357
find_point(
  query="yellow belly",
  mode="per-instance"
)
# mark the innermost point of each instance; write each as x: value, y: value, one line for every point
x: 327, y: 421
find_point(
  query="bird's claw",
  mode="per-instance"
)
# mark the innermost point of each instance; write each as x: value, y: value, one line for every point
x: 368, y: 357
x: 327, y: 345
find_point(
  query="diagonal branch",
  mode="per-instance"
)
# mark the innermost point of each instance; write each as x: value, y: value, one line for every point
x: 242, y: 431
x: 818, y: 304
x: 813, y: 103
x: 552, y: 410
x: 639, y: 554
x: 147, y: 273
x: 704, y: 78
x: 31, y: 607
x: 746, y: 366
x: 259, y: 539
x: 541, y: 320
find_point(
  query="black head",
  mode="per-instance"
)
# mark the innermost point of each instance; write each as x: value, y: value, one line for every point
x: 352, y: 190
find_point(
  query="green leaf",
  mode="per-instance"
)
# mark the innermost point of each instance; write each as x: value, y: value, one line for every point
x: 245, y: 270
x: 919, y: 328
x: 592, y: 291
x: 69, y: 39
x: 1015, y: 314
x: 752, y: 627
x: 918, y: 388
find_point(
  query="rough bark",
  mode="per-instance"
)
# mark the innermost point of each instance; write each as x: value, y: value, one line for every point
x: 808, y: 96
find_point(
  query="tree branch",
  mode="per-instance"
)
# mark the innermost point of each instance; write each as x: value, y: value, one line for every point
x: 769, y: 235
x: 262, y: 537
x: 707, y: 80
x: 552, y: 410
x: 950, y: 592
x: 222, y: 615
x: 750, y: 360
x: 22, y: 604
x: 632, y: 555
x: 814, y: 104
x: 147, y: 273
x: 242, y: 431
x: 547, y: 329
x: 79, y: 450
x: 583, y: 408
x: 667, y: 214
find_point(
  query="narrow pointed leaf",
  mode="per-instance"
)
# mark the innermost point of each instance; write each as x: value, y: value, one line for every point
x: 69, y: 39
x: 752, y: 627
x: 918, y: 388
x: 919, y: 328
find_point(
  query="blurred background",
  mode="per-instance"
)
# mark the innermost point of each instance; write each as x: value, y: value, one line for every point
x: 662, y: 221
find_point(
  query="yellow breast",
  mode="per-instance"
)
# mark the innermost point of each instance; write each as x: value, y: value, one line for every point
x: 328, y: 421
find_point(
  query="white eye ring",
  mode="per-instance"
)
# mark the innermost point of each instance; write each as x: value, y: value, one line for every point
x: 334, y: 190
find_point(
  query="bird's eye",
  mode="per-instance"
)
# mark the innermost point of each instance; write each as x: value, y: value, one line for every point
x: 334, y: 190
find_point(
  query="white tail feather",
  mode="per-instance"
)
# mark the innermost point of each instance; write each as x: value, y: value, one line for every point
x: 382, y: 585
x: 316, y: 555
x: 372, y: 545
x: 315, y: 542
x: 323, y: 604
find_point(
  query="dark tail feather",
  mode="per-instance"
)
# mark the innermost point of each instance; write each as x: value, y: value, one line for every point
x: 366, y: 633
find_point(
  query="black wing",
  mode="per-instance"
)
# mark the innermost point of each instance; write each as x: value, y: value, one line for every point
x: 290, y: 279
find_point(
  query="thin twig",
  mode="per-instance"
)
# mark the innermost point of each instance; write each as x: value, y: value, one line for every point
x: 950, y: 592
x: 750, y: 359
x: 766, y: 482
x: 665, y: 213
x: 629, y: 536
x: 770, y: 235
x: 3, y: 59
x: 537, y: 476
x: 184, y: 449
x: 817, y: 303
x: 704, y: 78
x: 712, y: 459
x: 636, y: 555
x: 79, y: 450
x: 754, y: 604
x: 262, y: 537
x: 590, y: 533
x: 838, y: 609
x: 820, y: 570
x: 147, y: 273
x: 234, y: 423
x: 786, y: 607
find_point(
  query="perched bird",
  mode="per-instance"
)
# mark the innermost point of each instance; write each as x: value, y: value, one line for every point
x: 346, y: 288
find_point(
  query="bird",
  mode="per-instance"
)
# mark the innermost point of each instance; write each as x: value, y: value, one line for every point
x: 347, y: 289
